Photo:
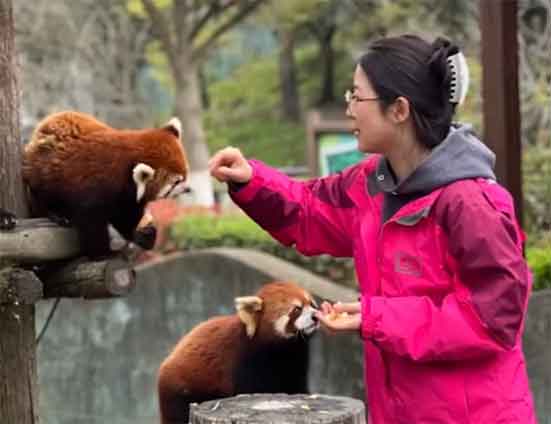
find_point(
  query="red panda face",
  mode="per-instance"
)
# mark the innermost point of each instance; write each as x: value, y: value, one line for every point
x: 164, y: 174
x: 157, y: 184
x: 278, y: 311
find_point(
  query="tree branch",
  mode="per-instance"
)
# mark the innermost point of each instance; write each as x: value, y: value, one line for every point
x: 215, y: 9
x: 161, y: 30
x: 246, y: 9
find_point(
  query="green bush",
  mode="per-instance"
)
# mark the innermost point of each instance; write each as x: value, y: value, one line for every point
x: 202, y: 231
x: 539, y: 260
x: 537, y: 190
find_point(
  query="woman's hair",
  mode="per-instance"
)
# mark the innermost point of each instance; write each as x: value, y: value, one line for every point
x: 411, y: 67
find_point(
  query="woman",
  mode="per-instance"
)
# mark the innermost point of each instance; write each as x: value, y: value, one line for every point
x: 438, y: 251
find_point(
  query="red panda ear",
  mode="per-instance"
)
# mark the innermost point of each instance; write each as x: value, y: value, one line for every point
x: 174, y: 126
x: 246, y: 307
x: 142, y: 174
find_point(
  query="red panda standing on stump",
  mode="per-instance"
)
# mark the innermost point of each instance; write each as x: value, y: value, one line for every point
x: 82, y: 172
x: 261, y: 349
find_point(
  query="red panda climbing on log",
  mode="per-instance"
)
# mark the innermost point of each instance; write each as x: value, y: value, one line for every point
x: 81, y: 172
x: 261, y: 349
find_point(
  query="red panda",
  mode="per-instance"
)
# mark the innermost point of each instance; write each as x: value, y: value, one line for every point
x: 80, y: 171
x: 261, y: 349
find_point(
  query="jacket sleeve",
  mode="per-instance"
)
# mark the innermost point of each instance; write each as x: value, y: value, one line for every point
x: 316, y: 216
x: 485, y: 313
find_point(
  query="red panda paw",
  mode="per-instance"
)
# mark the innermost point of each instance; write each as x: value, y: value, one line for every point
x: 59, y: 220
x: 7, y: 220
x: 145, y: 236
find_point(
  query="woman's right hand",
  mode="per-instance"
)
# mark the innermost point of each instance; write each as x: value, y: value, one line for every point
x: 229, y: 165
x: 340, y: 316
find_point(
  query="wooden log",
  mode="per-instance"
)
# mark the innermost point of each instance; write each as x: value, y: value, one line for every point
x: 37, y: 240
x: 18, y: 376
x: 90, y: 280
x: 19, y: 287
x: 279, y: 408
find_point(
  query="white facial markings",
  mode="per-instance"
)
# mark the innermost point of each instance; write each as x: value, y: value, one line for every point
x: 305, y: 321
x: 173, y: 188
x: 142, y: 174
x: 280, y: 326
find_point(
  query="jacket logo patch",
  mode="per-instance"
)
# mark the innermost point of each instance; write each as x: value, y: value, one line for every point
x: 404, y: 263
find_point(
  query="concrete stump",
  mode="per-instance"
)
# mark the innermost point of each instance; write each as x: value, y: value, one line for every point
x: 279, y: 409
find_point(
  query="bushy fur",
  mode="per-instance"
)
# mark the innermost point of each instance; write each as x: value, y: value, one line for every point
x: 218, y: 358
x: 81, y: 170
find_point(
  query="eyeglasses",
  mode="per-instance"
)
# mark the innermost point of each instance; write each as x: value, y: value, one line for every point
x: 350, y: 97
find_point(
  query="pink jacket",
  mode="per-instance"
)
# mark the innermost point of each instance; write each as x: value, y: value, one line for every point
x: 444, y: 289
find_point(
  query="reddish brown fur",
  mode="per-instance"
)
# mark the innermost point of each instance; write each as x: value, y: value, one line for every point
x: 81, y: 154
x: 202, y: 364
x: 79, y: 168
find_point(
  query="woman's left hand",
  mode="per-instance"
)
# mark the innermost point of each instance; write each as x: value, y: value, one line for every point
x: 340, y: 316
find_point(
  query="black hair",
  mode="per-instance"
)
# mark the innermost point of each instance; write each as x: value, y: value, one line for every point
x: 411, y: 67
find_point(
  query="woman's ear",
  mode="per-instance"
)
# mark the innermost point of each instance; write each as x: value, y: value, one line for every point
x: 400, y: 110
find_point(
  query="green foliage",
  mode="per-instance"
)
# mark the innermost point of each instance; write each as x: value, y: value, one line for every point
x: 537, y: 190
x: 202, y: 231
x: 245, y: 109
x: 245, y: 113
x: 539, y: 260
x: 135, y: 7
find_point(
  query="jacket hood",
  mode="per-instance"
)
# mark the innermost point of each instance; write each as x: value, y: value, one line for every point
x: 460, y: 156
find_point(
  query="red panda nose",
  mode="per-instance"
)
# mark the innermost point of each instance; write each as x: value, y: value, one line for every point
x: 315, y: 318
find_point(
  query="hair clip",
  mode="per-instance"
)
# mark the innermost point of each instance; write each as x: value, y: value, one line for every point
x: 459, y: 84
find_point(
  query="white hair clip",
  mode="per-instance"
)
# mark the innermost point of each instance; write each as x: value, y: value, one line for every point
x: 459, y: 84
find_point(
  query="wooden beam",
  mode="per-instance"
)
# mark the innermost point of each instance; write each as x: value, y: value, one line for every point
x: 500, y: 91
x: 89, y: 280
x: 38, y: 240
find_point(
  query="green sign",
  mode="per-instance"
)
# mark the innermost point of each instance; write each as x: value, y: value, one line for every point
x: 337, y: 151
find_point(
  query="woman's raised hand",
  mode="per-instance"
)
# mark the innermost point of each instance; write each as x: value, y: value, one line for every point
x: 229, y: 165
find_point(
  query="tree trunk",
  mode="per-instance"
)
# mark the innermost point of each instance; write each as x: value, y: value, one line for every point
x: 18, y: 388
x: 275, y: 408
x: 188, y: 108
x: 288, y: 76
x: 327, y: 59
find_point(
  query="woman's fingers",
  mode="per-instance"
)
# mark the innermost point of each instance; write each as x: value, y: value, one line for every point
x: 340, y: 322
x: 351, y: 308
x: 229, y: 164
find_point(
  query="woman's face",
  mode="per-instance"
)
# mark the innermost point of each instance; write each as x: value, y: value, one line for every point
x: 373, y: 127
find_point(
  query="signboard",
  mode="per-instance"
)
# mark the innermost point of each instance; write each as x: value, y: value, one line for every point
x: 332, y: 145
x: 337, y: 151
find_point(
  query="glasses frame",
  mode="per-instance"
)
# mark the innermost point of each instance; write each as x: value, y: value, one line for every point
x: 350, y: 97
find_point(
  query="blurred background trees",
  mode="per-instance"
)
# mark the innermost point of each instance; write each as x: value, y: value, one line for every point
x: 245, y: 73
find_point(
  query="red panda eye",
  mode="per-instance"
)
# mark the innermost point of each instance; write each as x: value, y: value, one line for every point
x: 297, y: 309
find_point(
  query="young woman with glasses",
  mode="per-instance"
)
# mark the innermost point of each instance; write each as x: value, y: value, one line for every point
x: 438, y: 250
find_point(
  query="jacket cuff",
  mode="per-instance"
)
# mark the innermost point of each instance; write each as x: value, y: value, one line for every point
x: 244, y: 192
x: 369, y: 321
